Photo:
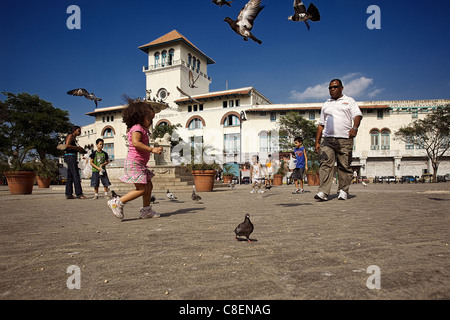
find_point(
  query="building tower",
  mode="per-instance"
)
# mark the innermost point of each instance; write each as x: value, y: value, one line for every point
x: 170, y: 60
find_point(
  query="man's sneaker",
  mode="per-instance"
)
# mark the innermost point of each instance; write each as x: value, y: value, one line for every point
x: 116, y: 206
x: 342, y: 195
x: 148, y: 212
x: 321, y: 196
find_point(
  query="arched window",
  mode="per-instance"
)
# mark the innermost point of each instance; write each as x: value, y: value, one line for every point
x: 189, y: 60
x: 163, y: 123
x: 171, y: 55
x: 374, y: 139
x: 385, y: 139
x: 157, y: 60
x: 198, y: 65
x: 195, y: 124
x: 194, y: 61
x: 164, y: 58
x: 231, y: 120
x: 108, y: 133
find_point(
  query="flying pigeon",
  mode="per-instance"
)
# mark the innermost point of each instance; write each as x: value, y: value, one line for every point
x: 244, y: 23
x: 84, y: 93
x: 190, y: 98
x: 170, y: 195
x: 244, y: 229
x: 191, y: 80
x: 222, y: 2
x: 195, y: 197
x: 301, y: 14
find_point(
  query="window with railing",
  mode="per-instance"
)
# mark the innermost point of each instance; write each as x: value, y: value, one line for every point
x: 231, y: 143
x: 374, y: 139
x: 385, y: 139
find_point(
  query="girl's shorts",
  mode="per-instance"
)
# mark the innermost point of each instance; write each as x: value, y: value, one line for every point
x: 135, y: 172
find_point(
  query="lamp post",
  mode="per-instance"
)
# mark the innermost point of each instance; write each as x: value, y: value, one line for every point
x: 242, y: 117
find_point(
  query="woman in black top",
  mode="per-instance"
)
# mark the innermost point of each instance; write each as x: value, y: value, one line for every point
x: 70, y: 157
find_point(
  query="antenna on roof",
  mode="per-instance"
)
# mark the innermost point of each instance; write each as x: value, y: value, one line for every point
x: 226, y: 85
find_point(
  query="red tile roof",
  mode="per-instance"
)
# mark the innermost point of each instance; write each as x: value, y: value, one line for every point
x: 173, y: 36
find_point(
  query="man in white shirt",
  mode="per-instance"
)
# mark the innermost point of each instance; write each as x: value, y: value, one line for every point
x: 338, y: 125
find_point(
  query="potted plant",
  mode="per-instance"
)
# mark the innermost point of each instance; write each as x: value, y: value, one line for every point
x: 281, y: 172
x: 227, y: 175
x: 19, y: 174
x: 312, y: 175
x: 46, y: 171
x: 203, y: 169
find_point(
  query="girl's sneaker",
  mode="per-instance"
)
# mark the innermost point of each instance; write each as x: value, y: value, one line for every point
x: 148, y: 212
x: 116, y: 206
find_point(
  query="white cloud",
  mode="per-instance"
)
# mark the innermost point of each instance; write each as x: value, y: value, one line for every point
x: 355, y: 86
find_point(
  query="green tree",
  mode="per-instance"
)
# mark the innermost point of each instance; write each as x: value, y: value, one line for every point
x: 431, y: 133
x: 294, y: 125
x: 30, y: 126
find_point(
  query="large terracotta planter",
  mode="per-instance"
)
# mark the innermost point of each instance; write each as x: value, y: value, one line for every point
x: 313, y: 179
x: 227, y: 179
x: 20, y: 182
x: 277, y: 179
x: 204, y: 180
x: 43, y: 182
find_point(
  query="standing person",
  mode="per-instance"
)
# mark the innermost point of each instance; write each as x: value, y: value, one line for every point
x: 99, y: 160
x: 338, y: 125
x: 138, y: 117
x: 256, y: 174
x: 70, y: 158
x: 269, y: 171
x: 301, y: 165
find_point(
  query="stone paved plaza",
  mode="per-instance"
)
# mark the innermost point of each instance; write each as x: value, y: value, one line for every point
x: 302, y: 248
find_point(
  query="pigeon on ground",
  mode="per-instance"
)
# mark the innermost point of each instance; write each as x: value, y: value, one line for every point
x: 195, y: 197
x: 190, y: 98
x: 84, y: 93
x: 152, y: 199
x: 191, y: 80
x: 232, y: 185
x: 268, y: 187
x: 244, y: 229
x: 301, y: 14
x: 170, y: 195
x: 222, y: 2
x: 364, y: 184
x: 244, y: 23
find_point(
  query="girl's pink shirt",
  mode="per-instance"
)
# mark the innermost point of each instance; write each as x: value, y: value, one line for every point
x: 136, y: 154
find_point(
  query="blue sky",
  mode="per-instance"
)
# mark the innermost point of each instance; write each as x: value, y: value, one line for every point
x: 408, y: 58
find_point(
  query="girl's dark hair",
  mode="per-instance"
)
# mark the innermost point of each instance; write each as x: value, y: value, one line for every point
x: 136, y: 112
x: 74, y: 128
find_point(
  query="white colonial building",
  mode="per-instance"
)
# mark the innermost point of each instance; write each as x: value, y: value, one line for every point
x: 214, y: 118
